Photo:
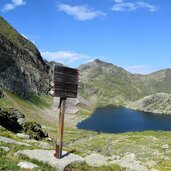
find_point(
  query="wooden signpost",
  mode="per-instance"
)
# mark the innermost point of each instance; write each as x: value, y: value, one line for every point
x: 65, y: 85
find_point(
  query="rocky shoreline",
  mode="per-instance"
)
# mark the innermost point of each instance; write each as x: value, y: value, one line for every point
x: 159, y: 103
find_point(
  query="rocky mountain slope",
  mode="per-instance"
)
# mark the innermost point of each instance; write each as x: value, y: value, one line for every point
x: 23, y: 72
x: 22, y: 69
x: 104, y: 83
x: 157, y: 103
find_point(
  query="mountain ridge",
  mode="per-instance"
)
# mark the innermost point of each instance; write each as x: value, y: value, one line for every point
x: 23, y: 70
x: 98, y: 76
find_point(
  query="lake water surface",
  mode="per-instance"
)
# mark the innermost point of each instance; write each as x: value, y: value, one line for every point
x: 118, y: 120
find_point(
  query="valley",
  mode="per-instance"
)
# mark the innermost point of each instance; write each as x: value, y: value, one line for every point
x: 24, y: 85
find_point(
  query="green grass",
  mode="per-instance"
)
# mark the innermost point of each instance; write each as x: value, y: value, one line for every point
x: 9, y: 162
x: 145, y: 145
x: 9, y: 134
x: 41, y: 101
x: 4, y: 103
x: 33, y: 110
x: 85, y: 167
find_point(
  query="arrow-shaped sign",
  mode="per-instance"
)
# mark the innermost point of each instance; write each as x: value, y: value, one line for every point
x: 72, y: 101
x: 71, y: 110
x: 71, y: 104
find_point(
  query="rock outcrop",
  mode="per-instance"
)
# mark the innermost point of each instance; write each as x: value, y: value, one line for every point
x: 12, y: 119
x: 157, y: 103
x: 34, y: 130
x: 22, y: 69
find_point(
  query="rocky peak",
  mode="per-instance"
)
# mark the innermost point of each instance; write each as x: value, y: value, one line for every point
x: 52, y: 63
x: 22, y: 69
x: 95, y: 64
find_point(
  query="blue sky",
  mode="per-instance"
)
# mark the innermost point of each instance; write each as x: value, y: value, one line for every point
x: 133, y: 34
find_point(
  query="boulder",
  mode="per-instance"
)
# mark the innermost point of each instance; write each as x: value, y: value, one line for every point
x: 4, y: 148
x: 96, y: 160
x: 165, y: 146
x: 12, y: 119
x: 27, y: 165
x: 47, y: 156
x: 12, y: 141
x: 40, y: 144
x: 34, y: 130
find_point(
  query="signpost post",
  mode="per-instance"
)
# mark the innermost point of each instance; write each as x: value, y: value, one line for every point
x: 65, y: 85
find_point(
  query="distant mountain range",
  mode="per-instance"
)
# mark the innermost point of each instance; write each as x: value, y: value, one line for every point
x: 106, y: 84
x: 23, y: 71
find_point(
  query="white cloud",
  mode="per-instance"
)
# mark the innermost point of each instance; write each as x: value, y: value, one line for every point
x: 120, y: 5
x: 80, y: 13
x: 66, y: 57
x: 141, y: 69
x: 13, y: 5
x: 90, y: 60
x: 124, y: 7
x: 18, y: 2
x: 8, y: 7
x: 150, y: 7
x: 118, y: 1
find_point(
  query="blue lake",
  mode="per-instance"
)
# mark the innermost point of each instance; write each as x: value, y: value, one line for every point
x: 119, y: 120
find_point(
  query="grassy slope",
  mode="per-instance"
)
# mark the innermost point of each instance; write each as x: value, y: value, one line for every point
x: 9, y: 162
x: 146, y: 145
x: 111, y: 84
x: 106, y: 84
x: 13, y: 36
x: 33, y: 109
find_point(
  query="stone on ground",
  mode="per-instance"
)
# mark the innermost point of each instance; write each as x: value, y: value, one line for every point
x: 130, y: 163
x: 4, y: 148
x: 12, y: 141
x: 129, y: 157
x: 27, y: 165
x: 154, y: 169
x: 150, y: 163
x: 165, y: 146
x: 48, y: 157
x: 40, y: 144
x: 96, y: 160
x: 24, y: 136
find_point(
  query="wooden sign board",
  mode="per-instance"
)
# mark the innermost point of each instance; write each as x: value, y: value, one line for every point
x: 65, y: 81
